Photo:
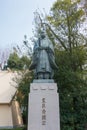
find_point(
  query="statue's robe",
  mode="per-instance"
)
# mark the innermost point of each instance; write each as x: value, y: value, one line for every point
x: 43, y: 60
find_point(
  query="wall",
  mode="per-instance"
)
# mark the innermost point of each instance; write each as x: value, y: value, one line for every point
x: 5, y: 116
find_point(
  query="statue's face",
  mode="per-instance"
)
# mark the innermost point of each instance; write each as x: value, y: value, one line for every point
x: 42, y: 35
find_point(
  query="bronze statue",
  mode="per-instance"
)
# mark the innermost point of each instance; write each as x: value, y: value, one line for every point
x: 43, y: 60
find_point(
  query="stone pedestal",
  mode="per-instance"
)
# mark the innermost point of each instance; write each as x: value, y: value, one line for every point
x: 43, y: 111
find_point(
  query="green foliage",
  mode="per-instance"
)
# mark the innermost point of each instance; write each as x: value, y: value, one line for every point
x: 63, y: 23
x: 25, y: 61
x: 23, y: 83
x: 14, y: 129
x: 72, y: 88
x: 71, y: 56
x: 24, y: 80
x: 15, y: 62
x: 21, y: 65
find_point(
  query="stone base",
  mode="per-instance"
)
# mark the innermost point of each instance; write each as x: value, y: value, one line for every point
x: 43, y: 107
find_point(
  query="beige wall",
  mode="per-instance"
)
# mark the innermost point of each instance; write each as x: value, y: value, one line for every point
x: 10, y: 115
x: 16, y: 114
x: 5, y: 115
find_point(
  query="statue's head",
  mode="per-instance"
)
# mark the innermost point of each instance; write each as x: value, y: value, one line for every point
x: 42, y: 34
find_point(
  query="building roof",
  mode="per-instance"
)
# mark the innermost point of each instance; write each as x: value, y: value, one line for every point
x: 7, y: 86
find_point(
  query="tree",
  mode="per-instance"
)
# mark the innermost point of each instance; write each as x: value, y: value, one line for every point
x: 63, y: 26
x: 14, y: 61
x: 18, y: 63
x: 73, y: 92
x: 23, y: 81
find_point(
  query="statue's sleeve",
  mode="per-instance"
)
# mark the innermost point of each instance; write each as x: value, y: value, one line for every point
x: 52, y: 61
x: 51, y: 56
x: 34, y: 58
x: 33, y: 63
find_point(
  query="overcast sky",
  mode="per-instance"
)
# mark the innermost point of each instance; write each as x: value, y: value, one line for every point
x: 16, y: 18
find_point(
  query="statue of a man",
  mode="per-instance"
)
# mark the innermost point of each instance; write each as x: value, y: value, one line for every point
x: 43, y: 60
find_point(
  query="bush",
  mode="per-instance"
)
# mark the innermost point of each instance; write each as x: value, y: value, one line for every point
x: 14, y: 129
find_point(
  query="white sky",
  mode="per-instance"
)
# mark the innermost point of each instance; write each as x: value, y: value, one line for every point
x: 16, y: 18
